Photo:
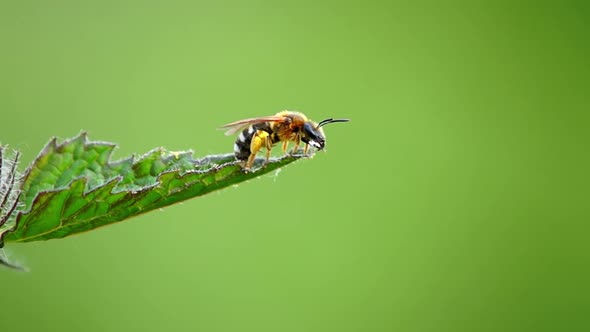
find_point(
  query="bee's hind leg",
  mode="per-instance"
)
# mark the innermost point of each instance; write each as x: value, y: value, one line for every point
x: 260, y: 139
x: 268, y: 148
x: 248, y: 165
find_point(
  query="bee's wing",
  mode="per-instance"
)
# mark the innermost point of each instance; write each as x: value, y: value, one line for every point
x: 234, y: 127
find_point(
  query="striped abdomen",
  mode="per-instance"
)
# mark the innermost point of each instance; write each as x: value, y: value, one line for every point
x: 242, y: 145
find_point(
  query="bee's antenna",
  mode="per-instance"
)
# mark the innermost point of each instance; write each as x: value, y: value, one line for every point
x: 330, y: 120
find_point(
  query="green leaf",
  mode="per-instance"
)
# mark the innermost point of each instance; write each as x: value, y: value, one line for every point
x: 73, y: 187
x: 10, y: 182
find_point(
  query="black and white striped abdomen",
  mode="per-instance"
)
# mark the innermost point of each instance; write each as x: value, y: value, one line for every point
x: 242, y: 145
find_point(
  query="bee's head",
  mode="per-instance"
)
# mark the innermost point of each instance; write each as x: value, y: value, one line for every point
x: 314, y: 135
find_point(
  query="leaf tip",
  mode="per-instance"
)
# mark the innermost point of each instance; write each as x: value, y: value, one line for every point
x: 4, y: 261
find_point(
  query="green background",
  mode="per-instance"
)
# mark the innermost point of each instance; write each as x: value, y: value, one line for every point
x: 455, y: 200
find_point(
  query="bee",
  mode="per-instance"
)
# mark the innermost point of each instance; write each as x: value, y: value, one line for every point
x: 266, y: 131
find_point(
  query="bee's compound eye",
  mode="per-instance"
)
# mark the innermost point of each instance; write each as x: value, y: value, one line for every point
x: 309, y: 130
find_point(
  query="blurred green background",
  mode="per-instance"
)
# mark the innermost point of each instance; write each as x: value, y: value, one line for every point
x: 455, y: 200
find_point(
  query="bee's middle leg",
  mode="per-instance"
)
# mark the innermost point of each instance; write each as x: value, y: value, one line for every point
x: 296, y: 147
